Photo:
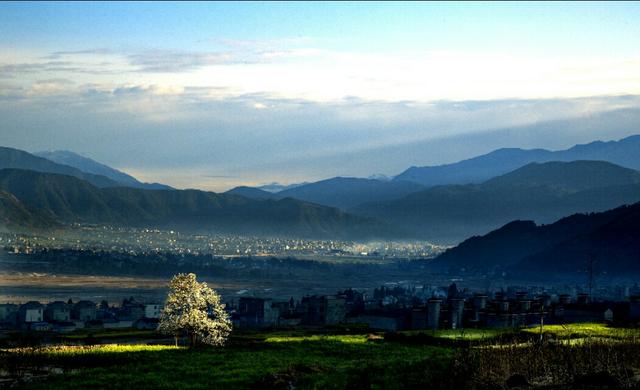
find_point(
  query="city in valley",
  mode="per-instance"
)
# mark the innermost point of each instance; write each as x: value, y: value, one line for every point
x: 341, y: 195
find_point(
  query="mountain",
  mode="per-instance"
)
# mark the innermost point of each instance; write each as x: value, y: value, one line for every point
x: 346, y: 192
x: 19, y: 159
x: 252, y: 193
x: 541, y: 192
x: 525, y: 250
x: 69, y: 199
x: 16, y: 216
x: 93, y: 167
x: 625, y: 152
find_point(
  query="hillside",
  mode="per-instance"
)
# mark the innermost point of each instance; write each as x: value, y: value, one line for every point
x: 17, y: 159
x: 539, y: 192
x: 88, y: 165
x: 16, y: 216
x: 526, y: 250
x: 71, y: 200
x: 625, y: 152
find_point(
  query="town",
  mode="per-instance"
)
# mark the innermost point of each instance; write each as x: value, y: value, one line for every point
x: 390, y: 309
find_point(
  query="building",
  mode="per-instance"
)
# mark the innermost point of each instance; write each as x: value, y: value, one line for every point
x: 57, y: 311
x: 152, y: 310
x: 8, y: 314
x: 31, y: 312
x: 256, y: 313
x: 322, y: 310
x: 84, y: 311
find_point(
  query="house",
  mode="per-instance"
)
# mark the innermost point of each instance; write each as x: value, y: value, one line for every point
x: 335, y: 310
x: 132, y: 311
x: 31, y: 312
x: 84, y: 311
x: 8, y: 315
x: 322, y: 310
x: 57, y: 311
x: 256, y: 313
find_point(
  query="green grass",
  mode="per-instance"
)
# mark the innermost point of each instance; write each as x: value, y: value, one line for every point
x: 108, y: 334
x: 306, y: 359
x: 334, y: 361
x: 461, y: 334
x: 586, y: 330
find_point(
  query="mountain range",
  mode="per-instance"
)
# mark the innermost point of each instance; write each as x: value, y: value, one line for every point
x: 340, y: 192
x: 348, y: 193
x: 19, y: 159
x: 542, y: 192
x: 70, y: 200
x: 565, y: 248
x: 90, y: 166
x: 625, y: 152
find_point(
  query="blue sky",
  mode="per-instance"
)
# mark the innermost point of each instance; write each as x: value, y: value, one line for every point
x: 603, y: 27
x: 212, y: 95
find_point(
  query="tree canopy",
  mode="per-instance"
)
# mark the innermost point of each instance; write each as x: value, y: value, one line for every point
x: 194, y: 309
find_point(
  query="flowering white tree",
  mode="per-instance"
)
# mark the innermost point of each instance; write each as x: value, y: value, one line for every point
x: 194, y: 309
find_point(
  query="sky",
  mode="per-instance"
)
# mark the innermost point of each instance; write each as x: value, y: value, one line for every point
x: 214, y: 95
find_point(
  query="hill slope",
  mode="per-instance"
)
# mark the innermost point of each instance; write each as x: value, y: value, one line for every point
x: 540, y: 192
x: 19, y: 159
x: 562, y: 248
x: 16, y: 216
x: 93, y: 167
x: 625, y: 152
x: 72, y: 200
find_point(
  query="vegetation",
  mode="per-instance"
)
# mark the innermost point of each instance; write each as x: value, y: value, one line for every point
x: 304, y: 359
x: 195, y: 309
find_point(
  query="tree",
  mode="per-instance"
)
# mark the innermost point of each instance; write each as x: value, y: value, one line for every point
x: 194, y: 309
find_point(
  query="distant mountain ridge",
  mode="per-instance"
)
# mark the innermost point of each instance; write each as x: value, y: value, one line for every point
x: 625, y: 152
x: 68, y: 199
x: 88, y: 165
x: 19, y: 159
x: 340, y: 192
x: 252, y: 193
x: 346, y: 192
x: 563, y: 248
x: 542, y: 192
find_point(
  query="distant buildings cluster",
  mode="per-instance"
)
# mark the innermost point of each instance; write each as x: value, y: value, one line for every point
x: 399, y: 308
x: 64, y: 317
x: 388, y: 308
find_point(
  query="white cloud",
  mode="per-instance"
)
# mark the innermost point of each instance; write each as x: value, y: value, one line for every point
x: 292, y: 71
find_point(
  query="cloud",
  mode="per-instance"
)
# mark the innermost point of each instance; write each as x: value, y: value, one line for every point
x: 211, y: 137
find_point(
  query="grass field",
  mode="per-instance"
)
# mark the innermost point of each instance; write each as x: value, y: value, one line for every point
x: 441, y: 359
